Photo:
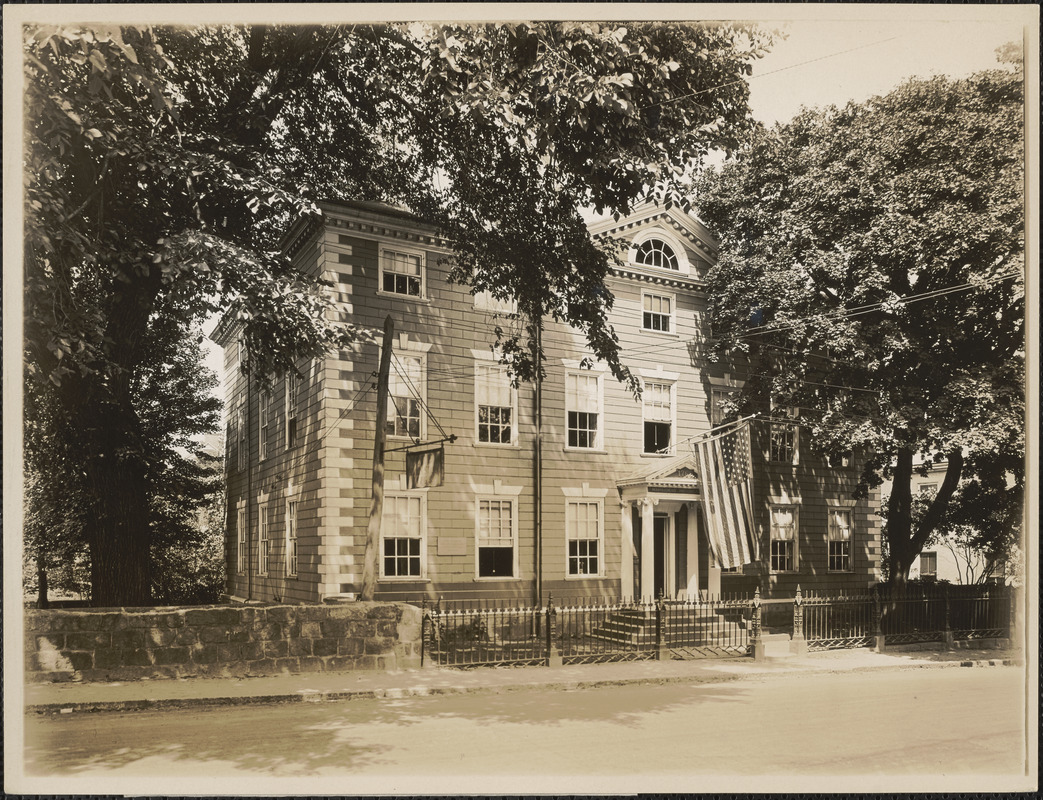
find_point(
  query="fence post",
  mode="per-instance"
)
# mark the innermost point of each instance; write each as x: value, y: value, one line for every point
x: 756, y: 644
x: 947, y: 637
x: 798, y: 644
x: 878, y: 634
x: 553, y: 656
x: 423, y: 631
x: 662, y: 652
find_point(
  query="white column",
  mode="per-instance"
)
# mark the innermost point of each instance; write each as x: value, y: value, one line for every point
x: 692, y: 529
x: 647, y: 548
x: 626, y: 569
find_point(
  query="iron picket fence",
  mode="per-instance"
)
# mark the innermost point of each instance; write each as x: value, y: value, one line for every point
x: 590, y: 630
x: 832, y: 623
x: 585, y: 630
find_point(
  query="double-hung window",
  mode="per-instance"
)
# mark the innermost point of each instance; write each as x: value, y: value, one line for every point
x: 244, y: 445
x: 783, y: 443
x: 241, y: 543
x: 583, y: 538
x: 718, y: 401
x: 494, y: 404
x: 839, y: 536
x: 264, y: 405
x: 929, y: 564
x: 484, y: 301
x: 293, y: 386
x: 496, y: 537
x: 657, y: 312
x: 402, y: 272
x: 657, y: 400
x: 402, y: 536
x: 405, y: 396
x: 264, y: 541
x: 783, y: 538
x: 583, y: 410
x: 291, y: 538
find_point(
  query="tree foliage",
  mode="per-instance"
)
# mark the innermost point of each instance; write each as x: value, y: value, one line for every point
x: 163, y: 165
x: 871, y: 268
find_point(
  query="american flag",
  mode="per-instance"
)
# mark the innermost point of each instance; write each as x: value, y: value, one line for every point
x: 725, y: 472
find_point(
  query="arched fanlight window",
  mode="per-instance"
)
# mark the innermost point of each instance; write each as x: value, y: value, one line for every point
x: 656, y: 253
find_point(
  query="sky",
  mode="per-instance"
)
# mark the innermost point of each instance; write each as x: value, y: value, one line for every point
x: 829, y: 62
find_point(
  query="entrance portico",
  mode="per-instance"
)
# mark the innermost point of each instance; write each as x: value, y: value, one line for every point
x: 664, y: 542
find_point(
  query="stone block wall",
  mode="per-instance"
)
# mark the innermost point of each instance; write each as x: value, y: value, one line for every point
x: 219, y: 641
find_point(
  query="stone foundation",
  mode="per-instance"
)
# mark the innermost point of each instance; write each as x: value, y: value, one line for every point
x: 110, y: 644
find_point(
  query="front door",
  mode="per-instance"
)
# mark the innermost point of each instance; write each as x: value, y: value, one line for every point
x: 660, y: 529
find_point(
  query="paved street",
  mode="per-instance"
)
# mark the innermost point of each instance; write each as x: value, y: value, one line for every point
x: 911, y: 724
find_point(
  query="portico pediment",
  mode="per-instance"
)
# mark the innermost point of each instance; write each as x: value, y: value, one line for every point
x: 676, y: 474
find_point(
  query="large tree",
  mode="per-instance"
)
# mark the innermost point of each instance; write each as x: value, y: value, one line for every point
x: 162, y: 166
x: 871, y: 268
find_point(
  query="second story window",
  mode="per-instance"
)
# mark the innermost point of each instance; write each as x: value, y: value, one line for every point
x: 583, y: 410
x: 243, y: 446
x: 494, y: 404
x: 405, y: 393
x: 292, y: 396
x: 783, y: 447
x: 839, y: 537
x: 657, y: 314
x: 657, y: 399
x: 402, y: 272
x: 264, y: 404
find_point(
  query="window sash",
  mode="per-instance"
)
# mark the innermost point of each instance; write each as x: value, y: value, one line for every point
x: 291, y: 537
x: 840, y: 556
x: 657, y: 311
x: 583, y: 410
x: 402, y: 530
x: 264, y: 550
x: 839, y: 526
x: 405, y: 392
x: 402, y: 273
x: 583, y: 537
x: 496, y: 546
x: 240, y: 524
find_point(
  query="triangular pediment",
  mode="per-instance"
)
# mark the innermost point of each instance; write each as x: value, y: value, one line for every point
x: 680, y: 470
x: 648, y: 216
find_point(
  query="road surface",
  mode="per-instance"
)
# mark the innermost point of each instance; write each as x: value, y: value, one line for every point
x: 910, y: 724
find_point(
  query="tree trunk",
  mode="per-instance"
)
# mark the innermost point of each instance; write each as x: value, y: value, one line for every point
x: 41, y: 581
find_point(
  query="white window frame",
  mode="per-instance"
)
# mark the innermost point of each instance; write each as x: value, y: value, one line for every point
x: 264, y: 403
x: 599, y: 432
x: 792, y: 414
x: 403, y: 250
x: 395, y: 495
x: 264, y: 538
x: 496, y: 498
x: 671, y: 384
x: 683, y: 265
x: 832, y: 536
x: 292, y: 533
x: 484, y: 301
x: 290, y: 415
x: 932, y: 573
x: 671, y: 317
x: 573, y: 497
x: 242, y: 545
x: 243, y: 442
x: 795, y: 555
x: 421, y: 395
x: 482, y: 361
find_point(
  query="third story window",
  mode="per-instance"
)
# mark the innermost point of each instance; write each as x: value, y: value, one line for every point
x: 583, y: 409
x: 783, y: 446
x: 657, y: 312
x: 402, y: 273
x: 291, y: 537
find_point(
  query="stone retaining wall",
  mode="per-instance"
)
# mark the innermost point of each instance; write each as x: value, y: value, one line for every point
x: 219, y: 641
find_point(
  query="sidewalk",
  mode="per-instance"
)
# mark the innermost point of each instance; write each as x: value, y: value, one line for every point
x: 55, y: 698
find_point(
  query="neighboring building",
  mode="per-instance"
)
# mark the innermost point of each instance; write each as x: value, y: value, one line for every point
x: 617, y: 483
x: 946, y: 559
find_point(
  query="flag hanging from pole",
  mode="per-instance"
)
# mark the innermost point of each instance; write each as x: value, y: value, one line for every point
x: 725, y: 472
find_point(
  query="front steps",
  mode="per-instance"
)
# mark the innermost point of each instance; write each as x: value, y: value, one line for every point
x: 630, y: 627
